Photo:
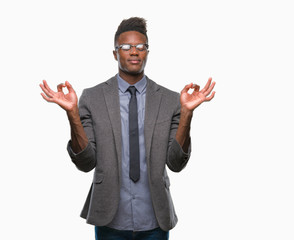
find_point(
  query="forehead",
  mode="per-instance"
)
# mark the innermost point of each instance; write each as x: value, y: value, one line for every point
x: 131, y: 37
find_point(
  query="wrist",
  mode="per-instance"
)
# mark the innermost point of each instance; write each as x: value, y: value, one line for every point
x: 185, y: 112
x: 73, y: 114
x: 186, y: 118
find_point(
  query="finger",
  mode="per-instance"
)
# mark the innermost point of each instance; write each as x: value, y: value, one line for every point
x: 210, y: 97
x: 209, y: 89
x: 207, y: 85
x: 46, y: 98
x: 47, y: 87
x: 45, y: 90
x: 60, y: 86
x: 186, y: 88
x: 196, y: 87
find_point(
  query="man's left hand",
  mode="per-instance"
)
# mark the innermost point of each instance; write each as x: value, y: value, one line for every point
x: 193, y: 100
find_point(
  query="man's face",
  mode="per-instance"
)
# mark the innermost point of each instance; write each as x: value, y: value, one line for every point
x: 133, y: 61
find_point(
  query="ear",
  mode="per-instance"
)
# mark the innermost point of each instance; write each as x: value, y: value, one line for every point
x: 115, y: 54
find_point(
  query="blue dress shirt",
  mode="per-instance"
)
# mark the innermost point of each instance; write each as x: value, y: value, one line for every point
x: 135, y: 211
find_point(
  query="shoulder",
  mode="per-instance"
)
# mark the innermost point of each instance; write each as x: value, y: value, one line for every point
x: 97, y: 89
x: 167, y: 93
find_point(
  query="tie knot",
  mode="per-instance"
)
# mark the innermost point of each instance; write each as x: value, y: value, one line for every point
x: 132, y: 90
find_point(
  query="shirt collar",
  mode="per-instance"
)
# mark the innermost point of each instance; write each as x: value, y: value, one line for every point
x: 123, y: 85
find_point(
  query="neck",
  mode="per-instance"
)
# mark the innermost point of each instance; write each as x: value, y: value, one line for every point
x: 131, y: 79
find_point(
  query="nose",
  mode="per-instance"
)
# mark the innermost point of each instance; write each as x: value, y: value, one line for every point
x: 133, y: 51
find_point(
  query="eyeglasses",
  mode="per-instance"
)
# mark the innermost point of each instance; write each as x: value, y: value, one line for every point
x: 126, y: 47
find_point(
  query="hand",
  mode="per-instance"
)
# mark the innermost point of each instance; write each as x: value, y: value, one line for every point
x: 67, y: 101
x: 193, y: 100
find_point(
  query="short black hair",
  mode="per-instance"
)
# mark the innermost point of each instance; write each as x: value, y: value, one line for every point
x: 132, y: 24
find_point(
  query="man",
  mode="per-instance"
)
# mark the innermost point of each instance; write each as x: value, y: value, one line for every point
x: 128, y: 129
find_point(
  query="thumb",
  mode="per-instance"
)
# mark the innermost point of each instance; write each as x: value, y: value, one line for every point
x: 69, y: 87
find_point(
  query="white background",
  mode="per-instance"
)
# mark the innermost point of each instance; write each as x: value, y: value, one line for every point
x: 239, y: 181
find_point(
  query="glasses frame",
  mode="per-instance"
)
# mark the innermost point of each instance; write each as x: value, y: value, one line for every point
x: 120, y: 47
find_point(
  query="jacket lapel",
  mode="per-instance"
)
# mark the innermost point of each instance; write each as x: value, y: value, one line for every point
x: 153, y: 99
x: 113, y: 107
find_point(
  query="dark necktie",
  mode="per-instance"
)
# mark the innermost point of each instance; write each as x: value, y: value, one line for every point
x: 134, y: 136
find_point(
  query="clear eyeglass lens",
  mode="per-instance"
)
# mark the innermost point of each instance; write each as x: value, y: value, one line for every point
x: 140, y: 47
x: 126, y: 47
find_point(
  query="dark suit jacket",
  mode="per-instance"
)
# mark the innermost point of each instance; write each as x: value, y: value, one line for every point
x: 99, y: 109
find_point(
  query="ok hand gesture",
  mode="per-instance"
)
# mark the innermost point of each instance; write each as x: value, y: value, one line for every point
x: 193, y: 100
x: 67, y: 101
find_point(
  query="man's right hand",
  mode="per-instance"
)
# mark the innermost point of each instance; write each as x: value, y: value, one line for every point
x: 67, y: 101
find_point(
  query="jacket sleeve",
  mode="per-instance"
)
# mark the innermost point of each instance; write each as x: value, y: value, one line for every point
x: 177, y: 159
x: 86, y: 159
